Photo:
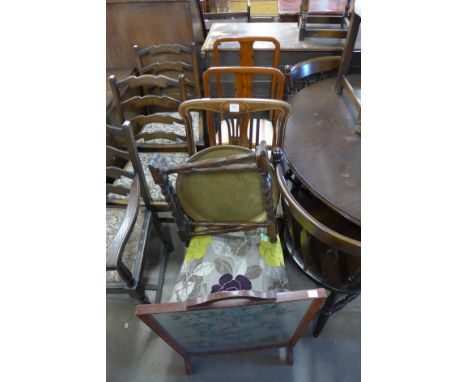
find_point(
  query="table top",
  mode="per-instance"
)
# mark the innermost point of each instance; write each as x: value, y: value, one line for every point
x: 322, y: 148
x: 324, y: 7
x: 286, y: 33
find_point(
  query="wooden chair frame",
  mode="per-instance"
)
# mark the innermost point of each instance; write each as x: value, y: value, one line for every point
x: 132, y: 283
x: 180, y: 66
x: 246, y: 106
x: 127, y: 151
x: 328, y: 236
x: 145, y: 82
x: 148, y: 102
x: 246, y: 50
x: 244, y: 80
x: 232, y: 300
x: 160, y: 172
x: 300, y: 73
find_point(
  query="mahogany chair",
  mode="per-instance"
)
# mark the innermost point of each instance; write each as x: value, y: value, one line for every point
x: 308, y: 72
x: 156, y: 122
x: 326, y: 247
x: 124, y: 160
x: 239, y: 83
x: 240, y: 121
x: 128, y: 233
x: 246, y: 49
x: 243, y: 79
x: 171, y: 60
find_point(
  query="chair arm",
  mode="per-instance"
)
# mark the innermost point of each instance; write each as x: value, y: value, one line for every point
x: 116, y: 248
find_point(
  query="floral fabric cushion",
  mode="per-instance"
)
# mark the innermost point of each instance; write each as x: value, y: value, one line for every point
x: 171, y: 128
x: 145, y: 158
x: 114, y: 219
x: 245, y: 260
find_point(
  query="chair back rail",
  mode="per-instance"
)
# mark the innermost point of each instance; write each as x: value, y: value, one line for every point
x: 246, y: 49
x: 147, y: 101
x: 309, y: 71
x: 244, y: 76
x: 240, y: 122
x: 143, y: 109
x: 170, y: 58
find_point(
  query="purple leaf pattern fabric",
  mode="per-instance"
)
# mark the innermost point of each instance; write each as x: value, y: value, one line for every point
x: 231, y: 261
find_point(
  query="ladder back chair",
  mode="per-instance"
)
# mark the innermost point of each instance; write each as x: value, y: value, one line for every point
x: 171, y: 60
x: 128, y: 233
x: 156, y: 122
x: 327, y: 256
x: 240, y: 121
x: 233, y: 321
x: 308, y: 72
x: 124, y: 159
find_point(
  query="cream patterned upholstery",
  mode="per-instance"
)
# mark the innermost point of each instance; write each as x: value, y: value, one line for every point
x: 172, y: 159
x: 114, y: 218
x: 244, y: 260
x: 173, y: 128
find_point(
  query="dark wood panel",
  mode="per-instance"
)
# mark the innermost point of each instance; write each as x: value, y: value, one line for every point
x: 149, y: 22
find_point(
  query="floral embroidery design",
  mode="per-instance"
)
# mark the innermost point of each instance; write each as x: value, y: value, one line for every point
x: 227, y: 283
x: 271, y: 252
x: 197, y: 248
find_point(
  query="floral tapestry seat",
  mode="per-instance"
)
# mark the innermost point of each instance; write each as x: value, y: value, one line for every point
x: 172, y: 159
x: 114, y: 219
x: 245, y: 260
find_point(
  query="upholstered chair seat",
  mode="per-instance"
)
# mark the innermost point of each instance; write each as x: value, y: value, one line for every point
x: 245, y: 260
x: 114, y: 219
x: 175, y: 128
x: 155, y: 191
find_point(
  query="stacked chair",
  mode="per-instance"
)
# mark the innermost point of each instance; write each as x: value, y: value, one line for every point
x: 231, y: 294
x: 129, y: 227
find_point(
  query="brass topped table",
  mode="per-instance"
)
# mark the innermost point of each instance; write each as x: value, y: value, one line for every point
x: 322, y: 147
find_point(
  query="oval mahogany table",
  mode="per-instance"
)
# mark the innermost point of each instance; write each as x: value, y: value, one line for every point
x: 322, y: 148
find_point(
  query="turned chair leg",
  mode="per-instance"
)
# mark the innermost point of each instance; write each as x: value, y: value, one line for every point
x: 139, y: 294
x: 327, y: 310
x: 163, y: 234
